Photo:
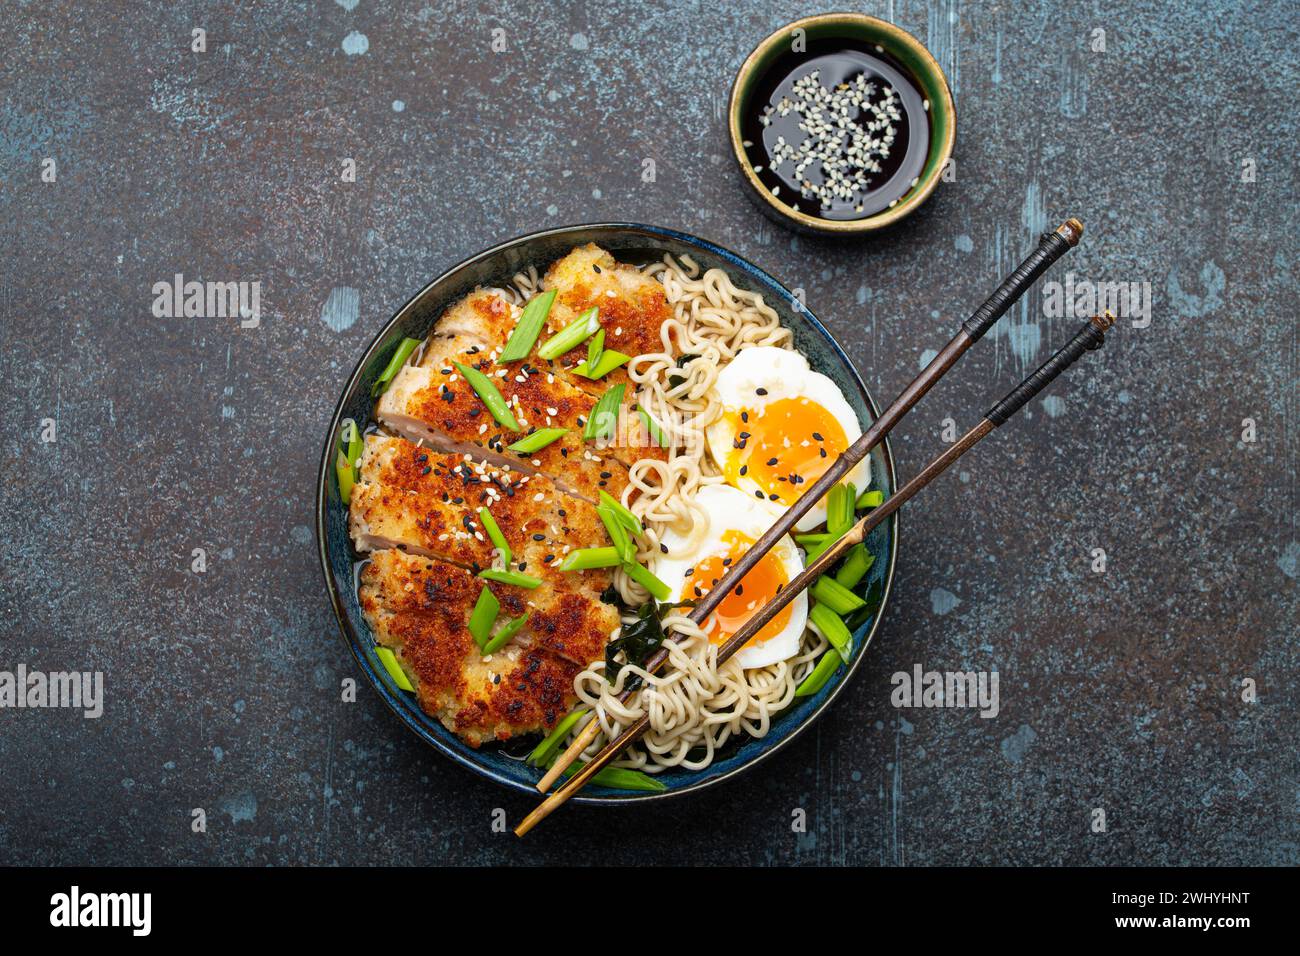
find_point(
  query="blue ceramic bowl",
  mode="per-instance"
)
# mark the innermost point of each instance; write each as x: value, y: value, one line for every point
x: 629, y: 243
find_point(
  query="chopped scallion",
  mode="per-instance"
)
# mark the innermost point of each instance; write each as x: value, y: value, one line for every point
x: 604, y: 415
x: 524, y: 337
x: 836, y: 596
x: 833, y: 629
x: 486, y: 391
x: 610, y: 359
x: 510, y: 629
x: 647, y: 580
x: 595, y: 348
x: 815, y: 681
x: 404, y: 350
x: 652, y: 428
x: 839, y: 509
x: 630, y: 521
x: 484, y: 616
x: 494, y: 533
x: 857, y: 562
x: 571, y: 336
x: 389, y: 660
x: 346, y: 476
x: 543, y: 752
x: 584, y: 559
x: 537, y: 440
x: 870, y: 499
x: 517, y: 578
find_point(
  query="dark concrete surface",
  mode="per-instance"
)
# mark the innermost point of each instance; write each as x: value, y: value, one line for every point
x: 1120, y: 690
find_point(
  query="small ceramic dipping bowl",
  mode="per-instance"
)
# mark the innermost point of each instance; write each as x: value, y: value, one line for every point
x: 852, y: 147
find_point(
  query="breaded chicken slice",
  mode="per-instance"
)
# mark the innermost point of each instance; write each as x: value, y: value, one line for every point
x: 633, y: 306
x: 409, y: 497
x: 439, y: 406
x: 420, y: 608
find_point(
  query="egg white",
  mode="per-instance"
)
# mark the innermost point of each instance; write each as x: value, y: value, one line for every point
x: 729, y: 509
x: 781, y: 374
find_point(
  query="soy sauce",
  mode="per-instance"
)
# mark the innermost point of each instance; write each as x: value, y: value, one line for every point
x: 825, y: 107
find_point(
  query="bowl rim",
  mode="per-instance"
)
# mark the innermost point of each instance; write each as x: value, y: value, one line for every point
x: 354, y: 640
x: 846, y: 227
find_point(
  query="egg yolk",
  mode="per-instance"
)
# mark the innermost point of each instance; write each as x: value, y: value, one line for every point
x: 784, y: 444
x: 757, y: 588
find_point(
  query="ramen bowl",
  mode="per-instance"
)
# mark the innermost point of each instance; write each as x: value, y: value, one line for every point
x: 494, y: 267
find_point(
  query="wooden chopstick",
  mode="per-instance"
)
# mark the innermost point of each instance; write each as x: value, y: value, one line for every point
x: 1051, y: 246
x: 1091, y: 336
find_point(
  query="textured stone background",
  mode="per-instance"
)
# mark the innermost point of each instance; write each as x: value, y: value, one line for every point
x: 1120, y: 690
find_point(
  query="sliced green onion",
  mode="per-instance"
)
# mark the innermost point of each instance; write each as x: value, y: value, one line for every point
x: 809, y: 540
x: 543, y: 752
x: 486, y: 391
x: 652, y: 428
x: 343, y: 469
x: 604, y: 415
x: 815, y: 550
x: 389, y: 660
x: 630, y: 521
x: 833, y: 629
x: 839, y: 509
x: 345, y: 466
x: 584, y: 559
x: 836, y: 596
x: 350, y: 439
x: 815, y: 681
x: 870, y: 499
x: 856, y: 564
x: 617, y: 532
x: 494, y: 533
x: 618, y: 778
x: 524, y: 337
x: 404, y: 350
x: 484, y: 616
x: 537, y: 440
x: 609, y: 360
x: 594, y: 348
x: 510, y: 630
x: 517, y: 578
x: 643, y: 577
x: 571, y: 336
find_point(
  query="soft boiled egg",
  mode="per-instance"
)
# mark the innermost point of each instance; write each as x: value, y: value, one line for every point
x: 696, y: 564
x: 781, y: 427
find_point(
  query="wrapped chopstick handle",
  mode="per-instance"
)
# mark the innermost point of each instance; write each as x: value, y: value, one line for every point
x: 1051, y: 246
x: 1090, y: 337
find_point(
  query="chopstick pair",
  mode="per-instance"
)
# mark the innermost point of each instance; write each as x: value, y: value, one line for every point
x: 1051, y: 246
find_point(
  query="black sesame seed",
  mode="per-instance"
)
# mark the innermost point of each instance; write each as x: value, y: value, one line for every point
x: 758, y: 494
x: 818, y: 436
x: 760, y: 391
x: 771, y: 462
x: 539, y: 537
